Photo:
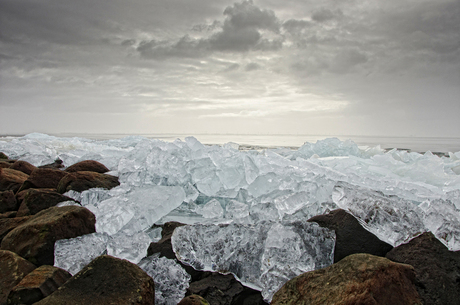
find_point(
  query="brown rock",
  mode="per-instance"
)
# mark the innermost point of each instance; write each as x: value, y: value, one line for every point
x: 220, y: 289
x: 356, y: 279
x: 11, y: 179
x: 8, y: 224
x: 10, y: 214
x: 12, y: 270
x: 36, y: 200
x: 23, y: 166
x: 87, y: 166
x: 22, y: 194
x: 38, y: 284
x: 193, y: 300
x: 56, y: 164
x: 43, y: 178
x: 82, y: 181
x: 106, y: 280
x: 8, y: 202
x: 437, y: 269
x: 4, y: 164
x: 34, y: 240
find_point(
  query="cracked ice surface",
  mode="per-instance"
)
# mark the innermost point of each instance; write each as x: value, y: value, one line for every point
x: 171, y: 280
x: 262, y: 256
x: 395, y: 194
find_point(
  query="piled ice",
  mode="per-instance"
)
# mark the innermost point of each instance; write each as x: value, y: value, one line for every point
x: 223, y: 191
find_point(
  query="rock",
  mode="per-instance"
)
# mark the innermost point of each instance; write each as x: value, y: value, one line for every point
x: 13, y: 268
x: 22, y: 194
x: 87, y: 166
x: 4, y: 164
x: 8, y: 224
x: 34, y: 240
x: 3, y: 156
x: 11, y: 179
x: 36, y: 200
x: 219, y: 289
x: 106, y: 280
x: 56, y: 164
x: 23, y: 166
x: 351, y: 237
x: 10, y: 214
x: 193, y: 300
x: 8, y: 202
x: 82, y: 181
x: 356, y: 279
x: 38, y: 284
x: 43, y: 178
x: 437, y: 269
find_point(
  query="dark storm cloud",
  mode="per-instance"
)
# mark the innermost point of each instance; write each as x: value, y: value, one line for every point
x: 241, y: 31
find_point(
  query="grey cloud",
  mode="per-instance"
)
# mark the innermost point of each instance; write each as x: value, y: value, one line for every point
x: 347, y: 59
x: 295, y: 27
x: 252, y: 66
x: 241, y: 31
x: 325, y: 14
x: 128, y: 42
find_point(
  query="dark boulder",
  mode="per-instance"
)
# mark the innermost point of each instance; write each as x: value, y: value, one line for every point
x: 82, y: 181
x: 38, y: 284
x: 34, y: 240
x: 8, y: 202
x: 23, y: 166
x: 193, y: 300
x: 11, y: 179
x: 13, y: 268
x: 106, y: 280
x: 57, y: 164
x: 43, y: 178
x: 87, y: 166
x: 4, y: 164
x: 36, y: 200
x: 220, y: 289
x: 351, y: 237
x: 8, y: 224
x: 10, y: 214
x: 3, y: 156
x: 356, y: 279
x: 437, y: 269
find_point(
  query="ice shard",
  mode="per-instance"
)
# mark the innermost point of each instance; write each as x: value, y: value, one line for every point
x: 262, y: 256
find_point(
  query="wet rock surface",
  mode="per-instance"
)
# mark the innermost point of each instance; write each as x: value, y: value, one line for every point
x: 106, y: 280
x: 13, y: 268
x: 437, y: 269
x: 9, y: 223
x: 34, y: 240
x: 37, y: 285
x: 23, y: 166
x: 87, y: 165
x: 43, y: 178
x: 82, y: 181
x: 8, y: 201
x: 356, y: 279
x: 11, y: 179
x: 36, y: 200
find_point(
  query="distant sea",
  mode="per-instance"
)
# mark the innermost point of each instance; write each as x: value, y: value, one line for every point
x: 417, y: 144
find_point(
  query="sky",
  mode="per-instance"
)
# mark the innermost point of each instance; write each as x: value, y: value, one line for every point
x: 329, y: 67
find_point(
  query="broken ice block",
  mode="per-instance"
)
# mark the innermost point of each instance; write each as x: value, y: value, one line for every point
x: 171, y: 280
x: 75, y: 253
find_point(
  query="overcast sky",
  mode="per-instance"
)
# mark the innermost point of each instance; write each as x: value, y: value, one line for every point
x: 332, y: 67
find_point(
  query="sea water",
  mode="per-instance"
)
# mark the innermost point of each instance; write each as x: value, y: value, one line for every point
x: 246, y: 206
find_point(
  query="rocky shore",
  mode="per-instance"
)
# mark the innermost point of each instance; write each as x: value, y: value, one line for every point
x: 365, y: 270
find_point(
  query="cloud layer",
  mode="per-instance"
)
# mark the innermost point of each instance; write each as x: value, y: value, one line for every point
x: 251, y: 66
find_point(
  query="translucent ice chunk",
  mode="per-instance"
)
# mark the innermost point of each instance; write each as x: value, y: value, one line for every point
x: 171, y: 280
x: 132, y: 247
x: 261, y: 256
x: 75, y: 253
x: 211, y: 209
x: 112, y: 214
x: 390, y: 218
x: 235, y: 209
